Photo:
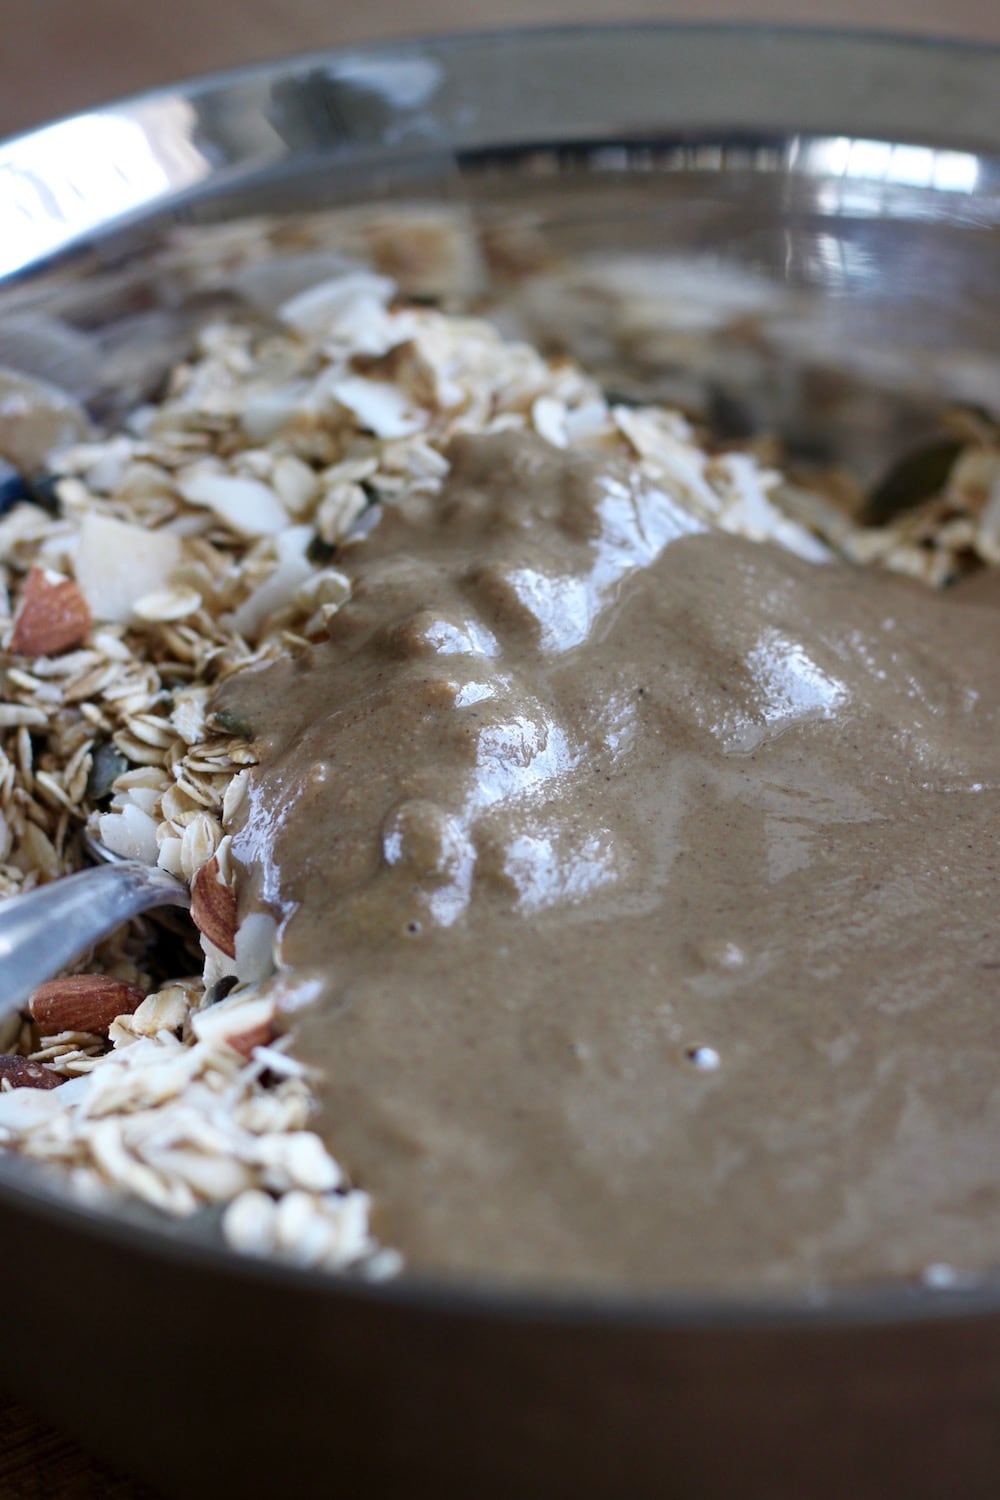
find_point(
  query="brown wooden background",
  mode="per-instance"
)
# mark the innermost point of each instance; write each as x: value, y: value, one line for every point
x: 57, y: 56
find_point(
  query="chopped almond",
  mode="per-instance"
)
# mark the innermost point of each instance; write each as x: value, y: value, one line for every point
x: 19, y: 1073
x: 53, y: 615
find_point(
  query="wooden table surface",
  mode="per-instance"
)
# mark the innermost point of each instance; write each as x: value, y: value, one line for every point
x: 62, y: 55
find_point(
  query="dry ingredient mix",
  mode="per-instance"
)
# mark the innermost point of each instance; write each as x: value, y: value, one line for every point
x: 624, y: 847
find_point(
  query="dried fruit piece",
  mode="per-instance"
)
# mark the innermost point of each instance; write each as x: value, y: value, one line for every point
x: 213, y: 908
x: 53, y: 615
x: 83, y: 1002
x: 19, y: 1073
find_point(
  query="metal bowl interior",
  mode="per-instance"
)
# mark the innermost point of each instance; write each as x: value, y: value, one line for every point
x: 808, y: 225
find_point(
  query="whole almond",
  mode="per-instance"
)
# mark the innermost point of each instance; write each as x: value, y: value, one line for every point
x: 213, y: 908
x: 19, y: 1073
x: 83, y: 1002
x: 53, y: 615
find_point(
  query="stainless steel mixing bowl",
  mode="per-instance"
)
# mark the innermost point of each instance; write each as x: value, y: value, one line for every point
x: 812, y: 221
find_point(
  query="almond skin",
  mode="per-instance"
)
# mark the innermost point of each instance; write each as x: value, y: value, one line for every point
x: 19, y: 1073
x: 244, y: 1042
x: 82, y: 1002
x: 213, y: 908
x: 53, y: 616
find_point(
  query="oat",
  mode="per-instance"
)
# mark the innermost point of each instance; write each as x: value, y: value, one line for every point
x: 199, y: 538
x: 167, y: 604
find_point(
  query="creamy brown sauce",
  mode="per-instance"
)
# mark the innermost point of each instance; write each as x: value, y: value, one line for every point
x: 572, y: 792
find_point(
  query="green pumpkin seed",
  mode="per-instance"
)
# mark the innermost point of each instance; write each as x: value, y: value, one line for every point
x: 916, y: 478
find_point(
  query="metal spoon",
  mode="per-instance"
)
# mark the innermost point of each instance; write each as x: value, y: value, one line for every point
x: 47, y: 928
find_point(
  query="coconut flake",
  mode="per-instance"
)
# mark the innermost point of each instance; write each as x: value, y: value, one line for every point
x: 130, y: 833
x: 549, y: 419
x: 383, y: 408
x: 144, y: 798
x: 117, y: 564
x: 247, y: 506
x: 751, y: 512
x: 341, y: 300
x: 255, y: 947
x: 292, y: 570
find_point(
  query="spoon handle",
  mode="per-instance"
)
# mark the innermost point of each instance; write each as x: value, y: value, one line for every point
x: 47, y: 928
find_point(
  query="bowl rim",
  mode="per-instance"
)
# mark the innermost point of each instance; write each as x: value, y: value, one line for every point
x: 454, y: 41
x: 69, y: 235
x: 28, y: 1192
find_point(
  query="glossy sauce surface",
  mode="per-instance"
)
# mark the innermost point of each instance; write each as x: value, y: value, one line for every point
x: 648, y: 882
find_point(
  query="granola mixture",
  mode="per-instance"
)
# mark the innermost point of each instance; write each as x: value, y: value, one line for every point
x: 210, y: 531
